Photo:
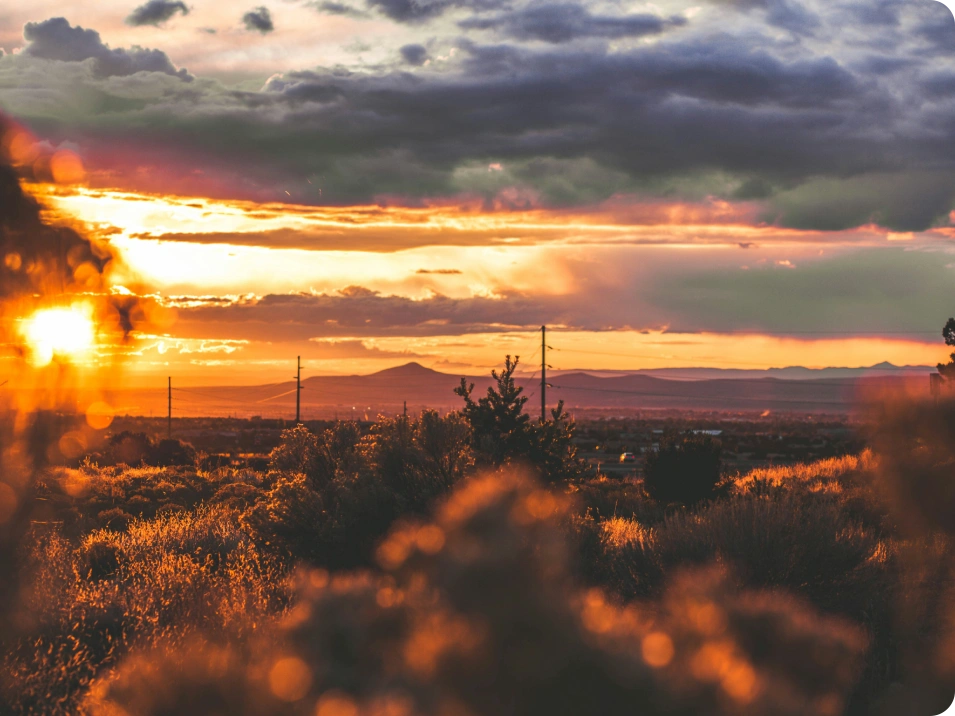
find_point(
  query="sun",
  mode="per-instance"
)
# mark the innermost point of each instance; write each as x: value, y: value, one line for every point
x: 59, y: 333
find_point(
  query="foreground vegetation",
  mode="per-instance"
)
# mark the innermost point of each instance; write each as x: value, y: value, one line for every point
x: 470, y: 564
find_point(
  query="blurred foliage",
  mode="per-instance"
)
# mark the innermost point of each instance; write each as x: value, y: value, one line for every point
x: 475, y: 613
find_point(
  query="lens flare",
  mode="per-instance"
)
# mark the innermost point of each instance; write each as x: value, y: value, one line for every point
x: 67, y: 333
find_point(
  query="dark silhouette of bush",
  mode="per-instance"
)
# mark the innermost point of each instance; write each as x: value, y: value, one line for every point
x: 685, y: 469
x: 169, y: 452
x: 115, y: 519
x: 134, y: 449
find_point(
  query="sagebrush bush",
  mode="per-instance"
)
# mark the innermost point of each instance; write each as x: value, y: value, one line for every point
x: 345, y: 497
x: 162, y: 579
x: 685, y: 469
x: 476, y: 613
x: 161, y: 589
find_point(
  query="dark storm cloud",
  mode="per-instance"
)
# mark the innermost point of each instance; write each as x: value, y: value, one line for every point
x: 358, y: 311
x: 259, y: 20
x: 791, y: 15
x: 821, y: 136
x: 417, y: 11
x: 337, y: 8
x: 414, y: 54
x: 875, y: 13
x: 563, y: 22
x: 878, y: 198
x: 156, y: 12
x: 56, y: 39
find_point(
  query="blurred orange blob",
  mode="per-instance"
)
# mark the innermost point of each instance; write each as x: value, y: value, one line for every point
x: 657, y: 649
x: 430, y: 539
x: 290, y: 678
x: 336, y: 703
x: 99, y: 415
x: 72, y: 445
x: 59, y: 332
x: 21, y: 147
x: 740, y: 682
x: 66, y: 167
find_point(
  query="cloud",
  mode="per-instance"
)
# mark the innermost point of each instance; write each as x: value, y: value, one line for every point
x: 358, y: 311
x: 418, y: 11
x: 336, y: 8
x: 442, y: 272
x: 806, y: 130
x: 259, y: 20
x: 344, y: 349
x: 876, y: 291
x: 791, y: 15
x: 156, y: 12
x: 56, y: 39
x: 414, y: 54
x: 563, y: 22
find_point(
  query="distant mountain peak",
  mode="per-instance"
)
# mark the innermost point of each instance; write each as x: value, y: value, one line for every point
x: 408, y: 370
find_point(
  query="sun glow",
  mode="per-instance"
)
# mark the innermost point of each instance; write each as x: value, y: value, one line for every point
x: 67, y: 332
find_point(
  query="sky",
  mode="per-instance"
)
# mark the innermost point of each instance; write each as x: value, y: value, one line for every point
x: 727, y: 183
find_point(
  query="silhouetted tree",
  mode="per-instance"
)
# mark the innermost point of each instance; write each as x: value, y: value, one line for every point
x: 502, y: 432
x: 500, y: 429
x: 947, y: 370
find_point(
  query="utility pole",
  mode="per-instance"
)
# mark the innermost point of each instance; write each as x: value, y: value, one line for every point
x: 543, y: 373
x: 405, y: 409
x: 169, y: 409
x: 298, y: 393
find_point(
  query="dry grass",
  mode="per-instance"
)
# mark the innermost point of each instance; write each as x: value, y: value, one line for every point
x: 807, y: 475
x: 163, y: 580
x: 488, y: 608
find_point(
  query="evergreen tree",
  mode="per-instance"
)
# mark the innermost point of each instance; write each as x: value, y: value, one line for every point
x: 947, y: 370
x: 501, y: 432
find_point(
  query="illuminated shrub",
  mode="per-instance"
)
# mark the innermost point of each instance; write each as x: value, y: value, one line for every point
x: 347, y: 496
x: 319, y: 457
x: 162, y: 580
x: 475, y: 613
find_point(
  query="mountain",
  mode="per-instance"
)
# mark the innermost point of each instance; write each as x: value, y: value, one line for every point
x: 884, y: 369
x: 831, y: 390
